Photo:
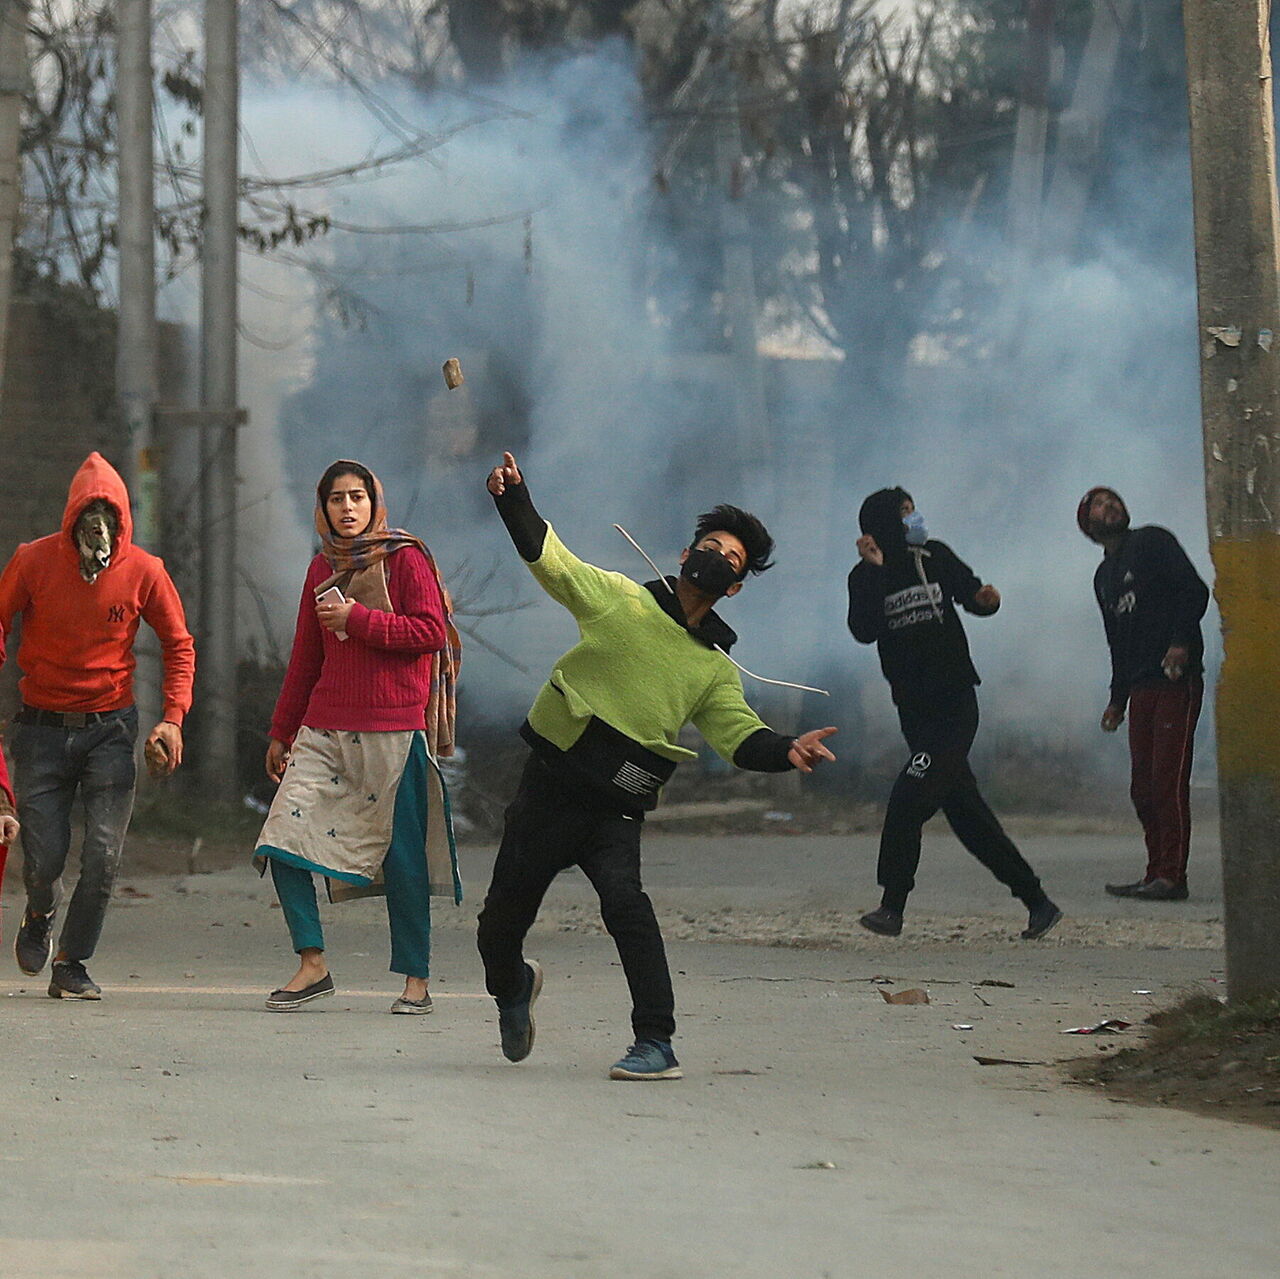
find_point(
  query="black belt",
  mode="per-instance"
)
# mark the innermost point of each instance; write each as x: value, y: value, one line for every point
x: 66, y: 719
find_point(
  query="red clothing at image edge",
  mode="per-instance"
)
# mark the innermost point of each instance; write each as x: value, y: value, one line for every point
x: 378, y: 680
x: 5, y: 789
x: 76, y: 652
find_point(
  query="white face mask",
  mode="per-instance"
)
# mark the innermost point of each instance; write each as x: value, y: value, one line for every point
x: 917, y: 533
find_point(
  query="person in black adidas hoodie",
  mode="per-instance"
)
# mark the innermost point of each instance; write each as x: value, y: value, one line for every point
x: 902, y: 598
x: 1152, y: 600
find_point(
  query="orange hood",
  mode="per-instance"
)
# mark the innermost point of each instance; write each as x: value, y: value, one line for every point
x: 97, y: 478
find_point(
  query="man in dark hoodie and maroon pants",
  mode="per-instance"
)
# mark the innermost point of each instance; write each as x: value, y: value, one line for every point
x: 1152, y: 600
x: 902, y: 598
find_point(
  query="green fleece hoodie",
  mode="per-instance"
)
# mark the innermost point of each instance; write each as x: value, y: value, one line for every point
x: 635, y: 668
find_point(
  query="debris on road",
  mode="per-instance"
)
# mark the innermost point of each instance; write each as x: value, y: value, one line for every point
x: 913, y: 996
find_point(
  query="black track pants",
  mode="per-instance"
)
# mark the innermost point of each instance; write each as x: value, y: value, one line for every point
x: 547, y: 830
x: 938, y: 776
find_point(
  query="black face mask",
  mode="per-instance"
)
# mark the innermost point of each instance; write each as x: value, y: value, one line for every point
x: 709, y: 571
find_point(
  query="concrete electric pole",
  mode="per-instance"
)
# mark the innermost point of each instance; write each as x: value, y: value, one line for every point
x: 1233, y: 165
x: 1026, y: 177
x: 216, y: 664
x: 14, y: 76
x: 136, y: 334
x: 1079, y: 133
x: 741, y: 305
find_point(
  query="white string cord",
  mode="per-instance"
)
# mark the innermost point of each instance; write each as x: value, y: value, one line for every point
x: 778, y: 683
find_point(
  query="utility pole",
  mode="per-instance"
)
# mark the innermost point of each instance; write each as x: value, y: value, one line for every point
x: 741, y: 305
x: 136, y: 333
x: 1026, y: 178
x: 1237, y: 228
x: 1079, y: 135
x: 218, y: 394
x: 14, y: 76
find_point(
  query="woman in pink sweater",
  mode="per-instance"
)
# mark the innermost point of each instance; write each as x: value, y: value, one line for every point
x: 364, y: 712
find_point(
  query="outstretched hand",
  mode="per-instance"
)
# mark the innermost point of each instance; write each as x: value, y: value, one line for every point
x: 808, y: 749
x: 501, y: 476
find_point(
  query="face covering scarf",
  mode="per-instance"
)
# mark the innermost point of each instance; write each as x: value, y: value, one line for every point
x: 95, y: 532
x: 917, y: 532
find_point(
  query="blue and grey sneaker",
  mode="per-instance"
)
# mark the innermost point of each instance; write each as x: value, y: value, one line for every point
x: 648, y: 1059
x: 515, y: 1016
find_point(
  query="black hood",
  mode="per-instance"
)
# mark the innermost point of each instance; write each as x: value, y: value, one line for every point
x: 713, y: 630
x: 881, y: 517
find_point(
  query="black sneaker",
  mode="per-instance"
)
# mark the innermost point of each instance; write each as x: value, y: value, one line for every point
x: 70, y: 981
x: 1041, y: 919
x: 33, y: 943
x: 515, y: 1017
x: 883, y: 920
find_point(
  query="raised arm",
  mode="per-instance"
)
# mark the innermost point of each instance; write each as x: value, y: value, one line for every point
x: 511, y: 496
x: 585, y: 590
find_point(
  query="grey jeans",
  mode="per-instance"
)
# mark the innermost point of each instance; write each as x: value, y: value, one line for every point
x: 50, y: 764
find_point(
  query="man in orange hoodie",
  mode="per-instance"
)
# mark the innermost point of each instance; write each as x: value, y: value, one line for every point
x: 81, y: 593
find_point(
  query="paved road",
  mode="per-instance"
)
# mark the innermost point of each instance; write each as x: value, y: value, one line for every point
x: 179, y: 1129
x: 1073, y: 869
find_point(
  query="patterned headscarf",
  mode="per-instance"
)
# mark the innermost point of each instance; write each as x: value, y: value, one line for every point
x: 359, y: 571
x: 350, y: 554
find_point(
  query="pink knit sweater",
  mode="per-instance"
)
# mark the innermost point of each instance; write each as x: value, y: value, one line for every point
x: 379, y: 678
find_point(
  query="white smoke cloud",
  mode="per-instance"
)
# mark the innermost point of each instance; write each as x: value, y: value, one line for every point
x: 551, y: 309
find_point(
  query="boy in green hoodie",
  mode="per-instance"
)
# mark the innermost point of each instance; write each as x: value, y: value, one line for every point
x: 603, y: 736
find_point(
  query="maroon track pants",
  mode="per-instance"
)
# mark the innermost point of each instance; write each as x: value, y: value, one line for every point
x: 1162, y: 727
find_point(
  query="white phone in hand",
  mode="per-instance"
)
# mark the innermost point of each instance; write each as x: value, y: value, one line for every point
x: 333, y: 596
